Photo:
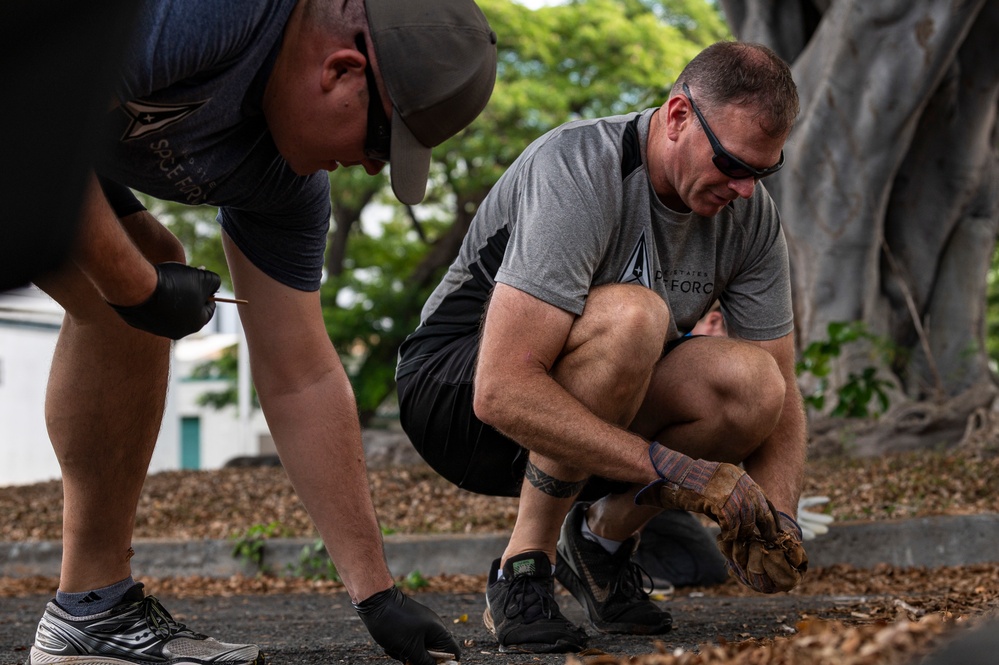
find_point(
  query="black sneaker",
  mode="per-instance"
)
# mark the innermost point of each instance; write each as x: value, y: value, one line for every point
x: 137, y: 630
x: 677, y: 550
x: 610, y: 587
x: 521, y: 610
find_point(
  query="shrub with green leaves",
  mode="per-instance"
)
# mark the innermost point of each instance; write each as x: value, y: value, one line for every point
x: 314, y: 563
x: 854, y: 397
x: 250, y: 545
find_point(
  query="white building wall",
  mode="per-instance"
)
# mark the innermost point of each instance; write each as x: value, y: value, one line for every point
x: 166, y: 454
x: 25, y: 355
x: 29, y: 326
x: 221, y: 435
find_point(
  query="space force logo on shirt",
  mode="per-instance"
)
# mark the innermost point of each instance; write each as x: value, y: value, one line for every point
x: 148, y: 118
x: 637, y: 270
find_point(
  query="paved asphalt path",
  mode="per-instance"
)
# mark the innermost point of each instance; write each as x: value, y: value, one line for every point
x: 322, y: 629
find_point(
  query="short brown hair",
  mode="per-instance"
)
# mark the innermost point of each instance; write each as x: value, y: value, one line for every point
x: 748, y: 74
x: 342, y: 19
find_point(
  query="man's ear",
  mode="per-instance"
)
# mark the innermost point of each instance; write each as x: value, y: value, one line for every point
x: 716, y: 323
x: 344, y: 62
x: 677, y: 111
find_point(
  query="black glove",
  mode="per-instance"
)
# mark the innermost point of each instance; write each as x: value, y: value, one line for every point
x: 405, y: 628
x: 180, y: 304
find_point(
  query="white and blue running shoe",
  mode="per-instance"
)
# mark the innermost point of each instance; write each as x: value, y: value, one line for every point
x: 137, y: 630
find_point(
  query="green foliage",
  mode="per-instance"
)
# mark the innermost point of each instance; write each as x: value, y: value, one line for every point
x: 855, y: 395
x: 226, y: 366
x: 414, y: 581
x: 992, y: 313
x: 371, y: 306
x: 249, y: 547
x: 314, y: 563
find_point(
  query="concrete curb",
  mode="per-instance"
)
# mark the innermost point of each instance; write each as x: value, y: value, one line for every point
x: 919, y: 542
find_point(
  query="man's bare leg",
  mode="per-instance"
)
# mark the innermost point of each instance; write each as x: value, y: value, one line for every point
x: 104, y: 404
x: 607, y: 365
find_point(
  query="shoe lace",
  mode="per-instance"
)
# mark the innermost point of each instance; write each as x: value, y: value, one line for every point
x: 159, y: 621
x: 528, y: 598
x: 633, y: 582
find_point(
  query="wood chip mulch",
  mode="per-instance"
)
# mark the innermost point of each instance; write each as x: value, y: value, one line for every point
x: 905, y: 613
x: 225, y: 503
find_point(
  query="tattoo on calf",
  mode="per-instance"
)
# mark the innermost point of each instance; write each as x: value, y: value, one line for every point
x: 560, y: 489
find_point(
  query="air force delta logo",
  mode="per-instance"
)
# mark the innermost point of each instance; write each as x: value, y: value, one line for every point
x: 637, y: 270
x: 148, y: 118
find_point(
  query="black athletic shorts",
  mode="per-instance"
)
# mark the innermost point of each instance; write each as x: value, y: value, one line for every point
x: 435, y: 409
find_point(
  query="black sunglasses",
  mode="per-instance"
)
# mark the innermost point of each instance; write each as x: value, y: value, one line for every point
x: 726, y: 162
x: 378, y: 141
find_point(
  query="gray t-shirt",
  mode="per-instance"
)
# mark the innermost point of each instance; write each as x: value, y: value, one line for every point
x: 189, y: 128
x: 577, y: 210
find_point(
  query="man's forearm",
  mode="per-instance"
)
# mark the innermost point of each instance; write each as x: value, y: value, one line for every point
x: 318, y: 435
x: 106, y: 254
x: 543, y: 417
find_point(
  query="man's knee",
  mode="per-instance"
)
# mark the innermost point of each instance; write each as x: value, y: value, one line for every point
x: 765, y: 381
x: 635, y: 317
x: 773, y: 389
x: 756, y: 396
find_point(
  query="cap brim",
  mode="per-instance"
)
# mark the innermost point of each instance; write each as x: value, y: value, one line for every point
x: 409, y: 163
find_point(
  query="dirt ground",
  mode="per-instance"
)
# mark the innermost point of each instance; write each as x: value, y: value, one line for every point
x: 892, y: 618
x: 838, y: 615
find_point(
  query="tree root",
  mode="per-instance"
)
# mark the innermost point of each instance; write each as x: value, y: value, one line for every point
x: 970, y: 419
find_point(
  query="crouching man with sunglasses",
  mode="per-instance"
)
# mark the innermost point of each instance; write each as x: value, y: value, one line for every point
x: 550, y: 363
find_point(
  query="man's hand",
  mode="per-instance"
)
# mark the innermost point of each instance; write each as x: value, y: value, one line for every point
x: 406, y: 629
x: 180, y: 304
x: 763, y: 546
x: 722, y: 491
x: 768, y: 567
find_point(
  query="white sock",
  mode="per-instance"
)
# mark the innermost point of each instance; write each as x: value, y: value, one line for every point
x: 611, y: 546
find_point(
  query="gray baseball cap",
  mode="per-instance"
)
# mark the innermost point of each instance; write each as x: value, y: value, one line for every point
x: 438, y: 61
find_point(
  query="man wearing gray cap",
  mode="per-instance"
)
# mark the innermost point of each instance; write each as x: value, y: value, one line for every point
x: 244, y: 107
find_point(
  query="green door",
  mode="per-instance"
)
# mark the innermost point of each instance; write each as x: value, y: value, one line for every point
x: 190, y: 443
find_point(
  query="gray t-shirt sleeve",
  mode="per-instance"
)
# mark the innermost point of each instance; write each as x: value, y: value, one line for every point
x: 563, y: 220
x: 757, y: 302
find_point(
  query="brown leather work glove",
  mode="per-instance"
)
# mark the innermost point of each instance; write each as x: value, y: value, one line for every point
x: 768, y: 566
x: 764, y: 550
x: 722, y: 491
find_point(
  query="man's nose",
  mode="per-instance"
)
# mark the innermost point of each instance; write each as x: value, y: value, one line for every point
x: 743, y: 186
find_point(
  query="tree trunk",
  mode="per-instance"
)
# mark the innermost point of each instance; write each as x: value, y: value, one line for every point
x: 942, y: 221
x: 889, y: 197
